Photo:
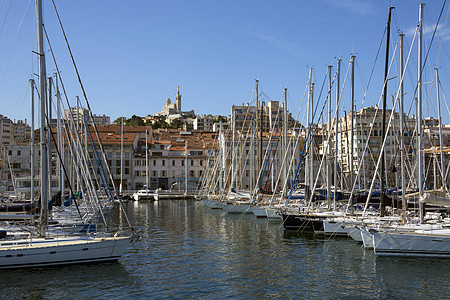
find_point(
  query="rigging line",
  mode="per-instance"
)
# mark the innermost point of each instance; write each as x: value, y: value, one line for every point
x: 59, y: 156
x: 445, y: 99
x: 14, y: 43
x: 443, y: 36
x: 20, y: 101
x: 6, y: 16
x: 373, y: 67
x: 67, y: 100
x: 307, y: 145
x: 431, y: 43
x: 113, y: 183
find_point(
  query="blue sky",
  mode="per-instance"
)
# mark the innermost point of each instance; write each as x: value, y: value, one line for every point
x: 132, y: 55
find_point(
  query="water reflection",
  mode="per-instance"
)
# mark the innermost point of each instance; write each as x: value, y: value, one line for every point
x: 187, y: 250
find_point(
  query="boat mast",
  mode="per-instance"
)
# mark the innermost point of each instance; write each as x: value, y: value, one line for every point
x: 336, y: 131
x: 146, y: 159
x: 285, y: 144
x: 308, y: 141
x: 383, y: 118
x: 258, y: 124
x: 419, y: 111
x: 121, y: 158
x: 329, y: 140
x: 441, y: 145
x: 233, y: 147
x: 49, y: 136
x: 42, y: 146
x: 60, y: 161
x: 402, y: 136
x: 352, y: 116
x: 32, y: 141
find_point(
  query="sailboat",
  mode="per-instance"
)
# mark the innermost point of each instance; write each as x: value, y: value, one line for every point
x: 20, y: 249
x: 145, y: 194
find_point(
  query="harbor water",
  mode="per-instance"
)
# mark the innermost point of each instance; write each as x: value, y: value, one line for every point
x: 187, y: 250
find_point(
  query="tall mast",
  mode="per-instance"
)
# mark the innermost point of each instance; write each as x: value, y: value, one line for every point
x: 419, y: 110
x: 60, y: 140
x: 329, y: 140
x: 121, y: 158
x: 42, y: 146
x: 336, y: 131
x: 383, y: 121
x: 285, y: 143
x: 257, y: 121
x: 233, y: 146
x: 49, y: 136
x: 441, y: 145
x: 352, y: 116
x: 308, y: 141
x: 32, y: 141
x: 402, y: 136
x: 222, y: 164
x: 311, y: 158
x: 146, y: 160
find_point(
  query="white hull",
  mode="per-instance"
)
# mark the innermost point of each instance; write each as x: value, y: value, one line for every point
x: 214, y: 204
x: 40, y: 252
x: 267, y: 213
x: 334, y: 228
x: 367, y: 238
x: 144, y: 195
x: 354, y: 232
x: 421, y: 243
x: 238, y: 209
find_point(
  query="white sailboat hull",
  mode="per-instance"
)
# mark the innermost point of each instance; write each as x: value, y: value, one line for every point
x: 334, y: 228
x: 40, y: 252
x: 267, y: 213
x: 423, y: 243
x: 238, y: 209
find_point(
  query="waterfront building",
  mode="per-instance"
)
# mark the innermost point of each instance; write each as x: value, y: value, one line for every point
x: 81, y: 114
x: 101, y: 120
x: 368, y: 126
x: 12, y: 132
x: 243, y: 116
x: 203, y: 123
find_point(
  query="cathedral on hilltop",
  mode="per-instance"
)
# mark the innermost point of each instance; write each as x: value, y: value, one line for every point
x: 174, y: 108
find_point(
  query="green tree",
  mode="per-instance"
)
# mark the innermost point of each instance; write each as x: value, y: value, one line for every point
x: 135, y: 121
x: 119, y: 120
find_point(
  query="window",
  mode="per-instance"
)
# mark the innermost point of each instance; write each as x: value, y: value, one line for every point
x: 198, y: 153
x: 137, y: 174
x: 155, y: 173
x: 154, y: 162
x: 18, y: 152
x: 163, y: 162
x: 192, y: 162
x: 127, y: 163
x: 127, y: 171
x: 137, y: 163
x: 173, y: 162
x: 192, y: 173
x: 182, y: 162
x: 200, y: 173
